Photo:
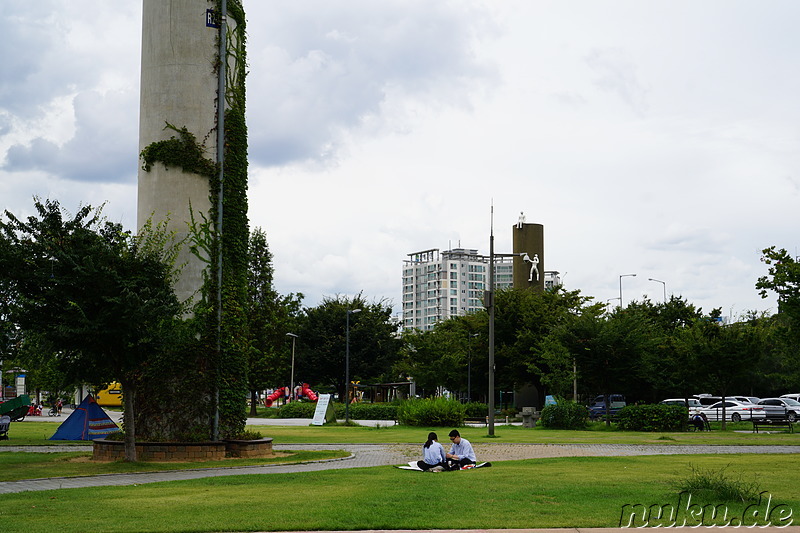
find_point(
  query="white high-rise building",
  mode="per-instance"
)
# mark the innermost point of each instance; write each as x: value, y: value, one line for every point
x: 438, y: 285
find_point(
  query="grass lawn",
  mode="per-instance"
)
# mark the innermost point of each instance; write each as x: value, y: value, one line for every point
x: 543, y: 493
x: 736, y: 434
x: 37, y: 433
x: 15, y: 466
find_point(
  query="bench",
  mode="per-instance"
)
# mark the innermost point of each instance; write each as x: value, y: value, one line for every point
x: 5, y: 423
x: 772, y: 424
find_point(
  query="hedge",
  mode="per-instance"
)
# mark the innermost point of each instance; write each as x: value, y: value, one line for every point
x: 564, y: 415
x: 436, y: 412
x: 656, y: 417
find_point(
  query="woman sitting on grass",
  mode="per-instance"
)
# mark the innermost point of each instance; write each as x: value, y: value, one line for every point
x: 434, y: 458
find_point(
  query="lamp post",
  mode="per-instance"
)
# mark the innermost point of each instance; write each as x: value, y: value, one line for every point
x: 620, y: 286
x: 291, y: 379
x: 664, y: 283
x: 488, y: 303
x: 469, y: 366
x: 347, y: 366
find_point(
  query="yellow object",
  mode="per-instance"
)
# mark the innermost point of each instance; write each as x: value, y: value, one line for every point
x: 111, y: 396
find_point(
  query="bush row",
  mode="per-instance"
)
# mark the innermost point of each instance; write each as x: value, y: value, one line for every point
x: 379, y: 411
x: 653, y: 418
x: 434, y: 412
x: 564, y: 415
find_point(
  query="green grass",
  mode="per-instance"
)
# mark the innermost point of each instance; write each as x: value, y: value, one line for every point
x: 736, y: 434
x: 16, y: 466
x: 37, y: 433
x: 545, y: 493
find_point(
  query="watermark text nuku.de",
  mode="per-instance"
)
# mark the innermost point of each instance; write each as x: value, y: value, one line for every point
x: 684, y: 513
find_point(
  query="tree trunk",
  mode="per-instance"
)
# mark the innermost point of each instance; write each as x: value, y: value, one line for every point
x: 129, y: 420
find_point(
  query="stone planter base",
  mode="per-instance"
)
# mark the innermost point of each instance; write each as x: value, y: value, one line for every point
x: 112, y: 450
x: 249, y: 448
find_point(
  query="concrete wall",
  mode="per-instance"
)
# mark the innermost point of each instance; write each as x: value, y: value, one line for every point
x: 179, y: 86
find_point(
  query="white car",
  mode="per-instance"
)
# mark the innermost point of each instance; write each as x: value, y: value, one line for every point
x: 795, y: 396
x: 734, y: 411
x: 694, y: 404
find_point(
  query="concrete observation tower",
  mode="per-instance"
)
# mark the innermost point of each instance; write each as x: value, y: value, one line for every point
x: 179, y: 86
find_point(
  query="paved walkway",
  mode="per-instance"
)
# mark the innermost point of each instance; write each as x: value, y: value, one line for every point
x: 364, y: 455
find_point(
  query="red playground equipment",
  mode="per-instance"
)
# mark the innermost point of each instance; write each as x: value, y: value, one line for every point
x: 303, y: 391
x: 306, y: 392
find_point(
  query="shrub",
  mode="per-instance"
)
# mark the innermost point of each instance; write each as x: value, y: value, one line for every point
x: 297, y: 410
x: 564, y: 415
x: 436, y: 412
x: 711, y: 485
x: 651, y: 417
x: 372, y: 411
x: 476, y: 410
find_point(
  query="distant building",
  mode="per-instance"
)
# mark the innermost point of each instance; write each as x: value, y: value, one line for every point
x: 438, y: 285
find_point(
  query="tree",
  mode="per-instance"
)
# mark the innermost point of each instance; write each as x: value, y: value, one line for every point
x: 373, y: 342
x: 103, y: 298
x: 270, y: 317
x: 783, y: 278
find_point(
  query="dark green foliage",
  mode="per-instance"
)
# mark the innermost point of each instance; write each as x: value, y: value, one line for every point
x: 270, y: 317
x: 373, y: 344
x: 564, y: 415
x: 100, y: 297
x: 297, y: 410
x: 475, y: 409
x: 435, y: 412
x: 370, y: 411
x: 653, y: 417
x: 183, y: 152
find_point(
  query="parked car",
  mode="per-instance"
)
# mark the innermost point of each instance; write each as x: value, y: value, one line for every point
x: 745, y: 399
x: 781, y: 408
x: 694, y: 404
x: 707, y: 399
x: 734, y: 411
x: 795, y: 396
x: 598, y: 407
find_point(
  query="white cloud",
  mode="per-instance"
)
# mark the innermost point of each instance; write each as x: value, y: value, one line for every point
x: 650, y: 137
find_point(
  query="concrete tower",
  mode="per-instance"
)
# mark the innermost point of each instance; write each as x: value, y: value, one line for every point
x: 528, y: 239
x: 179, y: 87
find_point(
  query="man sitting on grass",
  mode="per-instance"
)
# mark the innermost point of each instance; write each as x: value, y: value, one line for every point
x: 461, y: 452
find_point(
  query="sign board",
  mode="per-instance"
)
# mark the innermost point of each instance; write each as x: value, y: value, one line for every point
x: 324, y: 411
x: 212, y: 19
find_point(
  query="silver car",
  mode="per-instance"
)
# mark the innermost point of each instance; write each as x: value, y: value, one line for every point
x: 781, y: 408
x: 734, y: 411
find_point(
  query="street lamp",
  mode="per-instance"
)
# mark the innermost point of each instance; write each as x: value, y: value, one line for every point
x: 620, y: 286
x: 291, y: 379
x: 488, y: 303
x: 664, y: 283
x: 347, y: 366
x: 469, y: 366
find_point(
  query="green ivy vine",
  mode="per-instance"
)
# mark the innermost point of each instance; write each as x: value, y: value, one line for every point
x: 225, y: 371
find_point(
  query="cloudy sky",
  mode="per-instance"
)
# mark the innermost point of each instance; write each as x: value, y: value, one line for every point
x: 658, y: 138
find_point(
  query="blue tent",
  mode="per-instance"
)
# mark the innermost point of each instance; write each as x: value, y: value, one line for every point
x: 87, y: 422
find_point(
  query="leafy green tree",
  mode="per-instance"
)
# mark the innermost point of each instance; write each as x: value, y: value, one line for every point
x: 607, y: 348
x: 451, y: 356
x: 270, y: 317
x: 783, y: 278
x: 100, y: 296
x: 726, y: 354
x: 667, y: 369
x: 373, y: 342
